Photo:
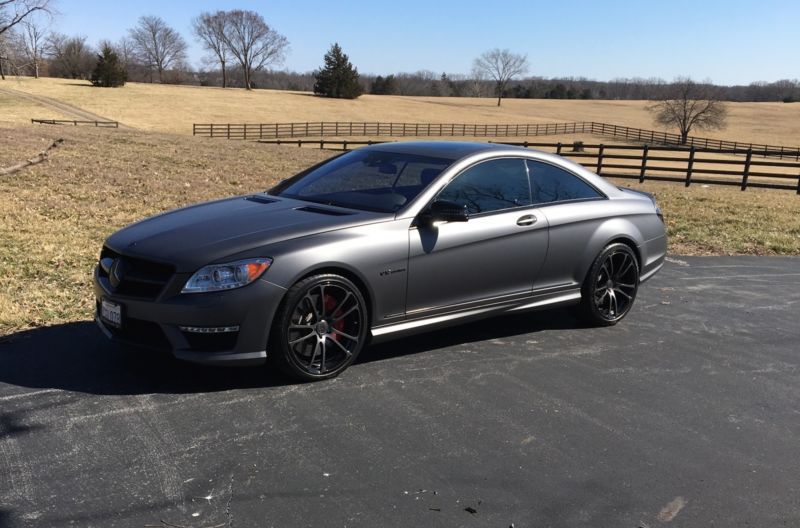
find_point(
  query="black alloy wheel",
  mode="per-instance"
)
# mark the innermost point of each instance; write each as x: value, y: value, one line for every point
x: 611, y: 285
x: 322, y: 327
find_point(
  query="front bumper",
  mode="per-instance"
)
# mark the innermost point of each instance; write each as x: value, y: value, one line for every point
x: 156, y: 323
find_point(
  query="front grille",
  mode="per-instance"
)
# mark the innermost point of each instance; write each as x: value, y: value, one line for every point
x: 134, y: 277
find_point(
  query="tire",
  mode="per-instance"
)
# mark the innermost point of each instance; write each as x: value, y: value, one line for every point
x: 610, y: 287
x: 320, y: 328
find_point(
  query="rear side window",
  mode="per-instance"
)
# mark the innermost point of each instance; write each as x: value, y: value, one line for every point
x: 493, y: 185
x: 551, y: 184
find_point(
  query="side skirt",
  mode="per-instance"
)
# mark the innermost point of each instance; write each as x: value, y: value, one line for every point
x: 424, y: 324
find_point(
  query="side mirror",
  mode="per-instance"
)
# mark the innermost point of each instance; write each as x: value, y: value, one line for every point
x: 446, y: 211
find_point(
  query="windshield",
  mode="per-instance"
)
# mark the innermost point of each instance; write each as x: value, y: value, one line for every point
x: 365, y: 179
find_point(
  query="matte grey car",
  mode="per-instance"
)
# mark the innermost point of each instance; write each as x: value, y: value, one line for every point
x: 373, y: 244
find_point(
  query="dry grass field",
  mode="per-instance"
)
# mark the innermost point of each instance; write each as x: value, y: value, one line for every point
x: 55, y: 215
x: 15, y: 110
x: 174, y: 108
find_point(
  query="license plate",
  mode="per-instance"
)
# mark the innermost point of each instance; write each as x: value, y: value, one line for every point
x: 111, y: 313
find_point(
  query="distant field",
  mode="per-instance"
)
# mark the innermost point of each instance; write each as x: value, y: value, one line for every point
x: 166, y: 108
x: 55, y: 215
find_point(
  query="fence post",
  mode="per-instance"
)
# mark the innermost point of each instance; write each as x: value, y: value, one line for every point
x: 645, y: 149
x: 747, y: 168
x: 600, y: 159
x: 229, y: 130
x: 344, y: 145
x: 689, y: 167
x: 558, y: 148
x: 321, y: 144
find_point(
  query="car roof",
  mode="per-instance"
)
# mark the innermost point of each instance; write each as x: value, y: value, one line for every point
x: 452, y: 150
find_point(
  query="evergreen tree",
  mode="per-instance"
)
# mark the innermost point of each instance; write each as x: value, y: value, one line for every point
x: 338, y: 78
x: 384, y: 85
x: 108, y: 72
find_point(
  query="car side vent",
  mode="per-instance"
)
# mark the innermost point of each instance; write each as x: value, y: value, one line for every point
x: 260, y: 199
x: 320, y: 210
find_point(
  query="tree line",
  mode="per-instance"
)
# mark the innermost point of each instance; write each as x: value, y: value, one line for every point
x: 236, y: 41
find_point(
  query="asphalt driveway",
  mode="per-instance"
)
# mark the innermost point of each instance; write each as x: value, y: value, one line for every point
x: 686, y: 414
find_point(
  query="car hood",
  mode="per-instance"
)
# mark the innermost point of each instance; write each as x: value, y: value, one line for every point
x: 194, y: 236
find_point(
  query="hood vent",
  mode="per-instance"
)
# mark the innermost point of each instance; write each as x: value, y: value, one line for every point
x: 321, y: 210
x: 260, y: 199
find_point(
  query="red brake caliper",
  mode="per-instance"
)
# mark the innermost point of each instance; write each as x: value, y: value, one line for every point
x: 330, y: 304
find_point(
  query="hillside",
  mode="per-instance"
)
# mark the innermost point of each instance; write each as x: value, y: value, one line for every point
x: 167, y: 108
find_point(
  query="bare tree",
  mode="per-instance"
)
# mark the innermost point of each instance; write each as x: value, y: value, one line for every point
x: 12, y: 12
x: 686, y: 104
x: 475, y: 83
x: 501, y: 66
x: 32, y: 41
x: 253, y: 43
x: 157, y: 45
x: 5, y: 52
x: 69, y: 56
x: 210, y: 30
x: 124, y: 48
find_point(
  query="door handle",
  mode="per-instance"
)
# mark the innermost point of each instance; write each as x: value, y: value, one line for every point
x: 526, y: 220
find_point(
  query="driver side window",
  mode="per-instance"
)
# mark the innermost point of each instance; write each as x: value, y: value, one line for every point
x: 492, y: 185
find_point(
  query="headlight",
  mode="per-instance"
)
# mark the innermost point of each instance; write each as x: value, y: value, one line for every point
x: 227, y: 276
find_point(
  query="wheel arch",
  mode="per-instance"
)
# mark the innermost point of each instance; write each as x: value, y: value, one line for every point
x: 628, y: 241
x: 616, y: 230
x: 350, y: 275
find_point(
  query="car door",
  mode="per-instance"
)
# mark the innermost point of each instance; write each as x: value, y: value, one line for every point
x: 493, y: 256
x: 574, y: 210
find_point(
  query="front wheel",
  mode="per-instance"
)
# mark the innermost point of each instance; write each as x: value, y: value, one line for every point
x: 320, y: 328
x: 610, y: 287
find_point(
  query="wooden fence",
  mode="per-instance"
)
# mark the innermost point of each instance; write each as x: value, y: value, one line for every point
x: 74, y: 122
x: 376, y: 129
x: 653, y: 163
x: 320, y: 129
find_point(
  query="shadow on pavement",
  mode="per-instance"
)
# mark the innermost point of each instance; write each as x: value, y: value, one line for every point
x: 77, y: 357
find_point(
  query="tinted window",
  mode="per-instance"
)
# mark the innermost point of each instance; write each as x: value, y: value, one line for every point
x: 551, y: 184
x: 365, y: 179
x: 490, y: 186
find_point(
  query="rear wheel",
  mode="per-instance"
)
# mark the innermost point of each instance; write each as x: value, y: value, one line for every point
x: 320, y: 328
x: 610, y: 286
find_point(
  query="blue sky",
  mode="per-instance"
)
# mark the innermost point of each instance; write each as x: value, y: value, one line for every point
x: 729, y: 42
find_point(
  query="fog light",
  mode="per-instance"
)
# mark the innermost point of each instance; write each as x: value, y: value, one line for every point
x: 209, y: 329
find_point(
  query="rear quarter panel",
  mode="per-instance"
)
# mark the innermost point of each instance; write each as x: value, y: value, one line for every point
x: 579, y: 232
